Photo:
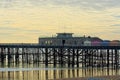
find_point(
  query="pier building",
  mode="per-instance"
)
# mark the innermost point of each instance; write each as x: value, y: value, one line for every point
x: 67, y: 39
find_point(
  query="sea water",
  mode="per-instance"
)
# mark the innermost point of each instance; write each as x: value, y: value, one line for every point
x: 40, y: 72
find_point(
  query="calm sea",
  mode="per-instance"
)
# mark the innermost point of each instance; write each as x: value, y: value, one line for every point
x: 40, y: 72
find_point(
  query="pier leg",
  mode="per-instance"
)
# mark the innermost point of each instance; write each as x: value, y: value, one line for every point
x: 38, y: 56
x: 23, y: 55
x: 54, y: 56
x: 33, y: 57
x: 61, y: 53
x: 73, y: 58
x: 116, y: 59
x: 112, y: 59
x: 92, y: 59
x: 2, y: 55
x: 17, y: 57
x: 78, y: 59
x: 85, y: 61
x: 101, y: 55
x: 46, y: 57
x: 108, y: 58
x: 68, y: 57
x: 27, y: 55
x: 83, y: 58
x: 9, y: 56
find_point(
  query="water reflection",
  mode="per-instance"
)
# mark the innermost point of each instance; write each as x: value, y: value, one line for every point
x: 33, y: 72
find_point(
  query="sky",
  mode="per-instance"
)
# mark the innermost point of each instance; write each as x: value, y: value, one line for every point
x: 23, y: 21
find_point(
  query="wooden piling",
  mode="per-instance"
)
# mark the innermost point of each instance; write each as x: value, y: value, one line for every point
x: 46, y: 57
x: 108, y: 57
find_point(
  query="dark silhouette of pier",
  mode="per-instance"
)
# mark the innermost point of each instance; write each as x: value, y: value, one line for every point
x: 71, y: 56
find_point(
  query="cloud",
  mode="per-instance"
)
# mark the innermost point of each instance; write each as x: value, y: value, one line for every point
x: 45, y: 17
x: 115, y: 25
x: 117, y: 16
x: 9, y: 28
x: 18, y: 30
x: 116, y: 32
x: 14, y: 3
x: 85, y: 4
x: 91, y: 4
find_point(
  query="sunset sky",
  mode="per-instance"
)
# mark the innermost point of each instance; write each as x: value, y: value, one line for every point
x: 23, y: 21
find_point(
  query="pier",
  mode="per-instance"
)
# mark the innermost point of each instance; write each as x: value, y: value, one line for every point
x: 71, y: 56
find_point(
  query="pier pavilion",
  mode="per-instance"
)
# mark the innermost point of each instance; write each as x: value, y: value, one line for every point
x: 66, y: 39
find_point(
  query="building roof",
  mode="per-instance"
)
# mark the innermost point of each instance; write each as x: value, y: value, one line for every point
x: 64, y: 35
x: 69, y: 36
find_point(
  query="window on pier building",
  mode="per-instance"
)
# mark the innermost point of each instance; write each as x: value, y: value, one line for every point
x: 48, y: 42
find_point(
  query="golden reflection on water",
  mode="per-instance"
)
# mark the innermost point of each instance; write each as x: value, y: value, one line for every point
x: 38, y: 73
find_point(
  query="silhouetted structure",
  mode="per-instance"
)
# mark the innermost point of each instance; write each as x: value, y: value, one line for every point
x: 64, y: 50
x: 66, y: 39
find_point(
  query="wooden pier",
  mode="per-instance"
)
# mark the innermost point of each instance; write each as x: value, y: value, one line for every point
x: 71, y: 56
